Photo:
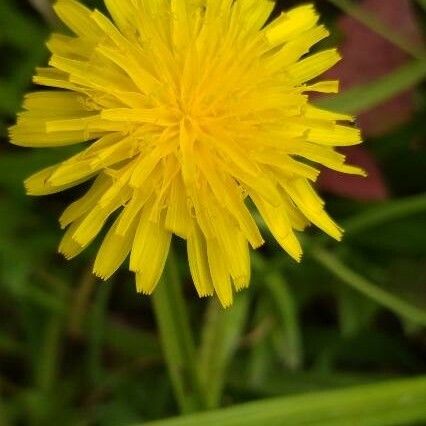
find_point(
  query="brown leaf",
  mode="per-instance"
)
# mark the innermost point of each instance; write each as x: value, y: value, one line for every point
x: 371, y: 188
x: 368, y: 56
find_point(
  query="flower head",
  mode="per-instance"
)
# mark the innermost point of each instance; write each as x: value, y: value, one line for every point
x: 190, y: 114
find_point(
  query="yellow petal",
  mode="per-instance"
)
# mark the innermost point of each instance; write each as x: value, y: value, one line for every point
x: 338, y: 136
x: 220, y: 275
x: 178, y: 219
x: 124, y: 13
x: 77, y: 17
x: 198, y: 262
x: 68, y: 246
x: 289, y: 25
x: 313, y: 66
x: 149, y: 252
x: 95, y: 219
x: 39, y: 184
x: 77, y: 209
x: 312, y: 206
x: 277, y: 220
x: 114, y: 250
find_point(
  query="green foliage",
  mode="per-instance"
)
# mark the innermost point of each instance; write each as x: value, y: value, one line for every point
x: 328, y: 342
x: 22, y: 39
x: 385, y: 404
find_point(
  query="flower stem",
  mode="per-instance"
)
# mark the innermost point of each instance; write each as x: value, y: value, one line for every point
x: 177, y: 340
x: 220, y: 339
x: 286, y: 307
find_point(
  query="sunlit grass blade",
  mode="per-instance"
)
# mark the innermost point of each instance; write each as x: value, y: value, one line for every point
x: 221, y: 335
x: 332, y: 263
x: 369, y: 95
x: 385, y: 404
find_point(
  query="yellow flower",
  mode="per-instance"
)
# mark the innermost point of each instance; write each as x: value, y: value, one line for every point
x: 190, y: 113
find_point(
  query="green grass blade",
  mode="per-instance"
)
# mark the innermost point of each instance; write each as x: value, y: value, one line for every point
x: 358, y: 282
x: 385, y: 404
x: 221, y: 335
x: 365, y: 97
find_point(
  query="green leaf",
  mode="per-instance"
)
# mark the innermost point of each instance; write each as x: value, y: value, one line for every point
x: 367, y: 96
x: 386, y: 404
x: 422, y: 3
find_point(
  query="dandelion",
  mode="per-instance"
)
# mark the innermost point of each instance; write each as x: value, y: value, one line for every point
x: 191, y: 115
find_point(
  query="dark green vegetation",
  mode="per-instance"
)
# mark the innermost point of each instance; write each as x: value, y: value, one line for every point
x: 311, y: 344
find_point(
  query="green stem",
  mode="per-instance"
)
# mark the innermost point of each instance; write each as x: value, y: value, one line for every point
x: 177, y: 340
x: 287, y: 310
x: 221, y: 336
x: 358, y: 282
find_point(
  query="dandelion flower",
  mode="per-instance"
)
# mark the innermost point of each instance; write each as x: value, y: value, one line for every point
x: 190, y: 115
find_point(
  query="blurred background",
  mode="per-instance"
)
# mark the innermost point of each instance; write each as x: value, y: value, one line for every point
x: 75, y: 351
